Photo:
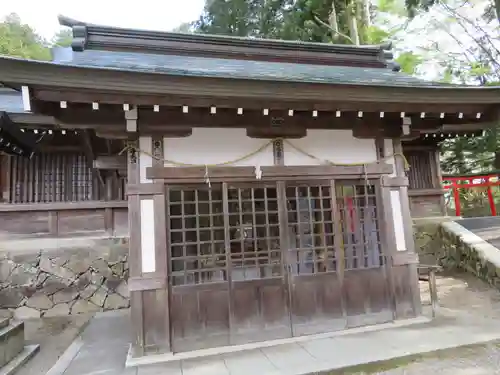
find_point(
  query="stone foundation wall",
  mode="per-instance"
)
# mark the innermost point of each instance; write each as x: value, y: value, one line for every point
x: 428, y: 242
x: 465, y: 252
x: 451, y: 246
x: 61, y: 281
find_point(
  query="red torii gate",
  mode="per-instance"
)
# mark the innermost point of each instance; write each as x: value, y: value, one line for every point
x: 456, y: 182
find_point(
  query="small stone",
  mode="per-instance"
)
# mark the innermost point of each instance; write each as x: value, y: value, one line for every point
x: 66, y: 295
x: 99, y: 297
x: 101, y: 267
x: 5, y: 314
x: 41, y: 278
x: 62, y: 273
x: 20, y: 276
x: 28, y: 291
x: 82, y: 307
x: 118, y: 269
x: 30, y: 258
x: 40, y: 302
x: 97, y: 279
x: 78, y: 264
x: 52, y: 285
x: 123, y: 290
x: 58, y: 310
x: 112, y: 283
x: 11, y: 297
x: 61, y: 258
x: 88, y: 291
x: 6, y: 268
x: 115, y: 301
x: 83, y: 281
x: 25, y: 312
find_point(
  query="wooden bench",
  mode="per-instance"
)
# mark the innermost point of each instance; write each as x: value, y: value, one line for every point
x: 427, y: 272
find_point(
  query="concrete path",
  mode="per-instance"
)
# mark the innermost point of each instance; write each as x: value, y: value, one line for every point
x: 467, y: 319
x: 488, y: 228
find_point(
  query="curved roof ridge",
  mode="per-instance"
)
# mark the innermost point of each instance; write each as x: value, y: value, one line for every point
x: 92, y: 36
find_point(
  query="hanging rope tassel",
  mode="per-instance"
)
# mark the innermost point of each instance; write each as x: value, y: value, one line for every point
x: 207, y: 178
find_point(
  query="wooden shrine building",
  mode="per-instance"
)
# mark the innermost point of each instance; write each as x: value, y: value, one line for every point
x: 262, y: 183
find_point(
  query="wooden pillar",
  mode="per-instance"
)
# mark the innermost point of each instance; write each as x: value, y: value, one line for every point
x: 439, y: 178
x: 148, y: 257
x: 400, y: 239
x: 5, y: 171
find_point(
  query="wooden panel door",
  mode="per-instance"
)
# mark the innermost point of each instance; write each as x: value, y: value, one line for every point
x: 365, y: 281
x: 198, y: 278
x: 314, y: 265
x: 259, y: 298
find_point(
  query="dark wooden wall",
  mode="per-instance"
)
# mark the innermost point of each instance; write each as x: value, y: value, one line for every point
x: 63, y: 219
x: 424, y: 175
x: 58, y: 193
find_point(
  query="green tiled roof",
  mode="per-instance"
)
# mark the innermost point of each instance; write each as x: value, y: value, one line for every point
x: 243, y: 69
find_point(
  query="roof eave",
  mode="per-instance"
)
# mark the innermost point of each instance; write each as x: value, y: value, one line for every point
x: 119, y: 82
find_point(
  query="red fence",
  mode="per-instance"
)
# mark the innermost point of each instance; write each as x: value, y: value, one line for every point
x: 455, y: 183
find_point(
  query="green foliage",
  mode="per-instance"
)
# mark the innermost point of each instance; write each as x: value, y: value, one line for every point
x: 409, y: 62
x: 412, y: 6
x: 273, y: 19
x: 18, y: 39
x: 376, y: 35
x: 63, y: 38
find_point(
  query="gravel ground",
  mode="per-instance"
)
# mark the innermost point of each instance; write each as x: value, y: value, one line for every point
x: 458, y: 292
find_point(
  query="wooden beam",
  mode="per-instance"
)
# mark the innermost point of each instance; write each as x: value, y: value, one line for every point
x: 110, y: 162
x: 220, y: 174
x: 277, y: 132
x: 325, y: 102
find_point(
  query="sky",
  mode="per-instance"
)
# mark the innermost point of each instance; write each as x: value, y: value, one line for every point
x: 161, y: 15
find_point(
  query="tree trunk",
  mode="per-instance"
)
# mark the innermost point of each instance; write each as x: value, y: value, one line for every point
x: 332, y: 20
x: 353, y: 24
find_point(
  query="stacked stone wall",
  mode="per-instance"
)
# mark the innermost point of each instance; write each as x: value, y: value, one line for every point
x: 63, y: 281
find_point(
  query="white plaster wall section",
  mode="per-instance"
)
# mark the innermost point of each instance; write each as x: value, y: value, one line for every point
x: 217, y: 145
x: 145, y: 160
x: 338, y: 146
x: 397, y: 217
x: 148, y: 257
x: 389, y: 153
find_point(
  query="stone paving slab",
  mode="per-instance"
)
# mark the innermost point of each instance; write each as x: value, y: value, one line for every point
x: 471, y: 316
x: 106, y: 341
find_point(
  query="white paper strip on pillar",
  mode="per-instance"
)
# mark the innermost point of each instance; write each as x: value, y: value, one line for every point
x: 145, y: 159
x: 148, y: 258
x: 397, y: 217
x: 25, y: 91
